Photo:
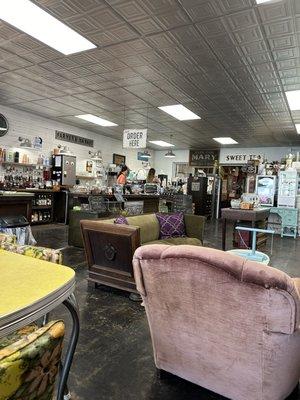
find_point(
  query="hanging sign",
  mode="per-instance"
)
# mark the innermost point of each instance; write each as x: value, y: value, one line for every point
x: 134, y: 138
x: 203, y: 158
x: 68, y: 137
x: 236, y: 156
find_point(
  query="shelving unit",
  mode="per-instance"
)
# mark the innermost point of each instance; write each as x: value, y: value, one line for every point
x: 44, y: 212
x: 15, y: 164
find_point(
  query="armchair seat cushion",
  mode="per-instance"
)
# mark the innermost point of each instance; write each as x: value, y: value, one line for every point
x: 177, y: 241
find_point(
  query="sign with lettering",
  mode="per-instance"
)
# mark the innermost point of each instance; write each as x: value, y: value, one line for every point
x: 68, y: 137
x: 134, y: 138
x: 236, y: 157
x: 203, y: 158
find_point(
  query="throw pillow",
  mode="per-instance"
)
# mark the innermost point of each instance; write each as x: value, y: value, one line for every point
x: 171, y: 225
x: 121, y: 220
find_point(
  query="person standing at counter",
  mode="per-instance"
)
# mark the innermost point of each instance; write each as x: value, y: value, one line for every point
x: 122, y: 175
x: 151, y: 178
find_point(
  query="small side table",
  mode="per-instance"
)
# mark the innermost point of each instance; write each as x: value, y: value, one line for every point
x: 233, y: 214
x: 29, y: 289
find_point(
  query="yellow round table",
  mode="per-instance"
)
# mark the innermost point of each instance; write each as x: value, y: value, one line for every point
x: 29, y: 289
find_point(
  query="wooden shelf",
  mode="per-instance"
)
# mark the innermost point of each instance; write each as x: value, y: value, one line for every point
x: 86, y: 177
x: 41, y: 207
x: 41, y: 222
x: 23, y: 165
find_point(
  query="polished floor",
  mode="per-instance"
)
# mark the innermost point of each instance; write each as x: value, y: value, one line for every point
x: 114, y: 355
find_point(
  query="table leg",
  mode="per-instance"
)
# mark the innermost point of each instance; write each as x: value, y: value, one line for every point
x: 224, y: 222
x: 71, y: 305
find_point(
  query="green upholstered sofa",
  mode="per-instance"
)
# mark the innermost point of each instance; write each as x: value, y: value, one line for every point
x: 110, y: 247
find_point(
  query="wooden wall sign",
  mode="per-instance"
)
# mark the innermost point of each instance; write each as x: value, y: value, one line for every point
x: 68, y: 137
x: 203, y: 158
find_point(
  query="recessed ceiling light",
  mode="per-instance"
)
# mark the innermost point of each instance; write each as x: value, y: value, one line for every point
x: 96, y: 120
x: 298, y: 128
x: 293, y: 98
x: 161, y: 143
x: 34, y: 21
x: 180, y: 112
x: 225, y: 140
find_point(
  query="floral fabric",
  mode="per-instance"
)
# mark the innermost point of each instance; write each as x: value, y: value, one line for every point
x: 8, y: 243
x: 4, y: 238
x: 171, y: 225
x: 29, y: 362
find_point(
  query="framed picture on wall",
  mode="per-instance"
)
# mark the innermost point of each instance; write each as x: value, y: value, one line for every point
x: 118, y: 159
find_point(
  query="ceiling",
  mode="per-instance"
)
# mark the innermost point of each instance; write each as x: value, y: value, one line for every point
x: 228, y: 61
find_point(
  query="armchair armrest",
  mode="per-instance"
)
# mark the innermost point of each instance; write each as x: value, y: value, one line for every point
x: 110, y: 245
x: 194, y: 225
x: 297, y: 301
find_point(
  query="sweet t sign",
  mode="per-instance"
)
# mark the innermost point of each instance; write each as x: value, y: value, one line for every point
x: 134, y: 138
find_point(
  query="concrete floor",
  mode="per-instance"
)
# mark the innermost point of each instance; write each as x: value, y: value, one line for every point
x: 114, y: 358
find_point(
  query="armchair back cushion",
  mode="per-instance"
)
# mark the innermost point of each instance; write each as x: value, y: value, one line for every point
x: 148, y: 224
x: 220, y: 321
x: 8, y: 243
x: 29, y: 362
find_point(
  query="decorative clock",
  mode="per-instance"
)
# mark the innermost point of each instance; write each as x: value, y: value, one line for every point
x: 3, y: 125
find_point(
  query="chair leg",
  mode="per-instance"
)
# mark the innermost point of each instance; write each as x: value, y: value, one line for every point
x: 161, y: 374
x: 135, y: 297
x: 295, y: 393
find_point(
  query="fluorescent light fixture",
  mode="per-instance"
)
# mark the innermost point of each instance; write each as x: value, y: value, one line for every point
x: 170, y: 154
x: 263, y: 1
x: 3, y: 129
x: 298, y: 128
x: 161, y: 143
x: 180, y: 112
x: 293, y: 98
x: 225, y: 140
x: 36, y: 22
x: 96, y: 120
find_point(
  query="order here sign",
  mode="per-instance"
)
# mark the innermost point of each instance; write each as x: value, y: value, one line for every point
x: 134, y: 138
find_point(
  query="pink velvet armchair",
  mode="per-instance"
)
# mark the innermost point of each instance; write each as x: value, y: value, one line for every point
x: 229, y: 325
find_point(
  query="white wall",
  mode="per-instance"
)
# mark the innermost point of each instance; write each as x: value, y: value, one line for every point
x: 28, y: 125
x: 164, y: 165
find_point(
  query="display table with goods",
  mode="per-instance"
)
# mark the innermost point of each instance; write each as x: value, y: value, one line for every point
x: 23, y: 300
x: 255, y: 218
x: 110, y: 244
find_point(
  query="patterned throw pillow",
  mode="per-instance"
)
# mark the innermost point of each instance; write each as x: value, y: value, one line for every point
x: 171, y: 225
x: 121, y: 220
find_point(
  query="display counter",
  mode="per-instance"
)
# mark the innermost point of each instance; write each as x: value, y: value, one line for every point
x: 12, y: 203
x: 151, y: 202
